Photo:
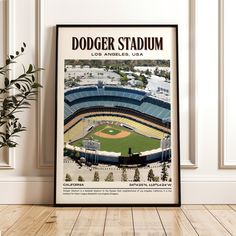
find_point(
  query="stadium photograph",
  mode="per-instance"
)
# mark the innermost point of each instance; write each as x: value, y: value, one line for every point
x: 117, y: 120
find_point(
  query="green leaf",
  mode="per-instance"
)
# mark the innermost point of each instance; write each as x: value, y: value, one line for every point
x: 29, y: 69
x: 28, y: 93
x: 17, y: 85
x: 11, y: 117
x: 37, y: 70
x: 3, y: 91
x: 14, y: 100
x: 36, y: 85
x: 5, y: 103
x: 22, y: 76
x: 23, y: 88
x: 25, y: 103
x: 21, y: 107
x: 28, y: 87
x: 6, y: 82
x: 22, y: 49
x: 24, y: 44
x: 2, y: 123
x: 17, y: 131
x: 8, y: 61
x: 17, y: 53
x: 11, y: 144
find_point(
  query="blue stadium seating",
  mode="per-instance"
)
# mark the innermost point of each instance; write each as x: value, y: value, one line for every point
x: 112, y: 96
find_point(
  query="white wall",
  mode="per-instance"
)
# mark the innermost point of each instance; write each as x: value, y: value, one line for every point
x: 26, y: 174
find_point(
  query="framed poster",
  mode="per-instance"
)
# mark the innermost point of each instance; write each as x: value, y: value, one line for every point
x: 117, y: 129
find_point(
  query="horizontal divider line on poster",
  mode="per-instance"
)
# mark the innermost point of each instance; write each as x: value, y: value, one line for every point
x: 51, y: 179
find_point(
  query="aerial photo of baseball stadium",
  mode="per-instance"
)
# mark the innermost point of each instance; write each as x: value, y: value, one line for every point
x: 117, y: 120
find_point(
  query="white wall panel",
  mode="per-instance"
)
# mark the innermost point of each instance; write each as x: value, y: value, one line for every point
x: 227, y: 113
x: 3, y: 25
x: 7, y: 32
x: 18, y: 26
x: 4, y: 158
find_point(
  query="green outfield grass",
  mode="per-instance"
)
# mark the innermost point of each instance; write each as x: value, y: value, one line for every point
x: 137, y: 142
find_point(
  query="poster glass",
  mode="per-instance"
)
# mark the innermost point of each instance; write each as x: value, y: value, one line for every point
x: 117, y: 132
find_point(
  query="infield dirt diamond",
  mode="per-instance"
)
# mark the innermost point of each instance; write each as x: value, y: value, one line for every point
x: 111, y: 130
x: 112, y: 133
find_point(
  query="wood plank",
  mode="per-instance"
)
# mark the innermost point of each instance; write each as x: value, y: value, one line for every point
x: 147, y: 222
x: 225, y: 215
x: 90, y: 222
x: 31, y: 222
x: 119, y: 222
x: 175, y: 222
x: 204, y: 223
x: 40, y: 220
x: 193, y: 207
x: 60, y: 222
x: 10, y: 214
x: 218, y: 207
x: 233, y: 206
x: 2, y: 207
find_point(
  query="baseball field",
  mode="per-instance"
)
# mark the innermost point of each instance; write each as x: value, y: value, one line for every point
x: 114, y: 138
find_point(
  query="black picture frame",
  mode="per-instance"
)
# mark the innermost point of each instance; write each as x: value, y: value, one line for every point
x: 63, y: 190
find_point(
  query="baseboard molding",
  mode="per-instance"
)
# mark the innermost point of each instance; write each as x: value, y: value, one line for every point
x: 208, y: 192
x: 194, y: 190
x: 26, y: 190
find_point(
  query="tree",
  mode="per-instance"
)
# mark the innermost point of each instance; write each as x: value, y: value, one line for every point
x: 148, y: 72
x: 80, y: 179
x: 137, y: 175
x: 164, y: 172
x: 77, y: 155
x: 124, y: 176
x: 151, y: 175
x: 156, y: 179
x: 110, y: 177
x: 73, y: 153
x: 96, y: 176
x: 68, y: 178
x: 25, y: 90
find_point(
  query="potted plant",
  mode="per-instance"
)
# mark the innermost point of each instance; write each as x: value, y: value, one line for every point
x: 16, y: 95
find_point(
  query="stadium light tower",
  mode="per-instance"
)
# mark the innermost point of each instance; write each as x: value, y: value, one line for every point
x: 166, y: 141
x: 83, y: 126
x: 163, y: 147
x: 169, y: 146
x: 95, y: 157
x: 130, y: 151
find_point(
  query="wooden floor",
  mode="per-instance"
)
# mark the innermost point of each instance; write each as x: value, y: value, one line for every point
x: 188, y: 220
